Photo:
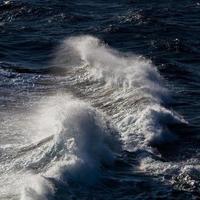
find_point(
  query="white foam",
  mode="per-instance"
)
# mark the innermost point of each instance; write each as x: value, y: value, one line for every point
x: 71, y: 141
x: 127, y: 78
x: 130, y: 89
x: 152, y: 121
x: 83, y: 143
x: 37, y: 188
x: 117, y: 69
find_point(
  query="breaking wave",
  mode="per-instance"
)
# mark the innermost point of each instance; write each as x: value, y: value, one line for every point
x: 83, y: 143
x: 115, y: 102
x: 128, y: 87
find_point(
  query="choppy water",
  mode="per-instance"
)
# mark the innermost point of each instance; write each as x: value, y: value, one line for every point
x: 99, y: 99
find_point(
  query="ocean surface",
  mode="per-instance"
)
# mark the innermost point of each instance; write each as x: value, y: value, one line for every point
x: 99, y: 100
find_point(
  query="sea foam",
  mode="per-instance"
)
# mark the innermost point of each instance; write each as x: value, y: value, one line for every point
x: 83, y: 143
x: 130, y: 86
x: 129, y: 92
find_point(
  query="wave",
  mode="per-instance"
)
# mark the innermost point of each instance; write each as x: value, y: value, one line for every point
x: 82, y: 145
x: 126, y: 86
x: 118, y: 103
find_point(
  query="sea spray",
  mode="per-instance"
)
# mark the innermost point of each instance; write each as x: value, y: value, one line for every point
x: 127, y: 85
x: 82, y: 145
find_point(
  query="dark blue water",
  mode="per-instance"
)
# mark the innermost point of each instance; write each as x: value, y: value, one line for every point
x: 38, y: 61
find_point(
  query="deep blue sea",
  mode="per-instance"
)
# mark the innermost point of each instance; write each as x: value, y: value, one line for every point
x: 99, y: 100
